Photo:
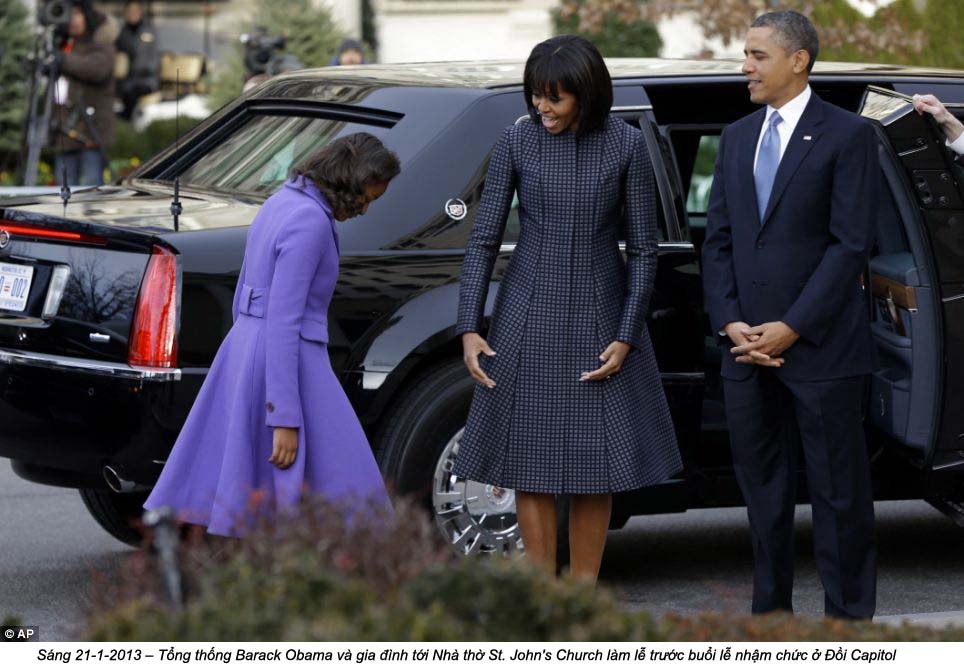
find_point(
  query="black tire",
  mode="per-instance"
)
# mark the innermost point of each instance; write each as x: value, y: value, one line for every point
x: 432, y: 410
x: 418, y: 448
x: 118, y: 513
x: 434, y: 407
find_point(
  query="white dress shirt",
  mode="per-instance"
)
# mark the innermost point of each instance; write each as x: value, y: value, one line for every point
x: 957, y: 145
x: 791, y: 113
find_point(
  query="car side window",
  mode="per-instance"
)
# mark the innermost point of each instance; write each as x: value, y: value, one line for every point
x: 633, y: 119
x: 695, y: 148
x: 257, y: 156
x: 512, y: 222
x: 701, y: 176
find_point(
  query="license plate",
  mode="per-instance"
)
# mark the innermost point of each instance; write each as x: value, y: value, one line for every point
x: 14, y: 286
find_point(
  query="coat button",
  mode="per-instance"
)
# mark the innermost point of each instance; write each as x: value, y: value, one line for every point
x: 270, y: 406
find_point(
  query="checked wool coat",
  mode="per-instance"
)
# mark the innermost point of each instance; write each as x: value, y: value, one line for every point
x: 566, y: 295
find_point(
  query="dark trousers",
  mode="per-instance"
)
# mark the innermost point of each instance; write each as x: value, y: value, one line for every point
x: 83, y: 167
x: 768, y: 419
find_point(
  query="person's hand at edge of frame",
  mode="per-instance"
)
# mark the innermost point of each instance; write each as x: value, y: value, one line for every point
x: 949, y: 124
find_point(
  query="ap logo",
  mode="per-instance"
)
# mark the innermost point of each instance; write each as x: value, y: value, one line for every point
x: 20, y: 633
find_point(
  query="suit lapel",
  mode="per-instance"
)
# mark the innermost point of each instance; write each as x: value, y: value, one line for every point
x: 796, y: 151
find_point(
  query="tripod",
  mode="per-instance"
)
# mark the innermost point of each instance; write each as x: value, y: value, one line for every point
x: 40, y: 102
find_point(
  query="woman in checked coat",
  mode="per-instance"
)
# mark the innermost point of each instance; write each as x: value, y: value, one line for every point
x: 569, y: 399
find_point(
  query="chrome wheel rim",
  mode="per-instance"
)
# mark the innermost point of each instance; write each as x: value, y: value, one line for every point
x: 475, y: 518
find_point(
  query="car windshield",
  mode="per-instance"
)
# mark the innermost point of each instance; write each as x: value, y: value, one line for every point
x: 258, y: 155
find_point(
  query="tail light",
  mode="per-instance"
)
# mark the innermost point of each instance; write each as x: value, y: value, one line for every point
x: 153, y: 341
x: 21, y: 230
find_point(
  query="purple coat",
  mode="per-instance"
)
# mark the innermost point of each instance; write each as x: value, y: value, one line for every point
x: 273, y: 370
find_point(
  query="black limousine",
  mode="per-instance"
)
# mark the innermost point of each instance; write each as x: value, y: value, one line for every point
x: 114, y: 315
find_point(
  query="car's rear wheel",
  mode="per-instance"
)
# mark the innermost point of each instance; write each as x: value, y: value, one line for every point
x: 117, y: 513
x: 419, y: 444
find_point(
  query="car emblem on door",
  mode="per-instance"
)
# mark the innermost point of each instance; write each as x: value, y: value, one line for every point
x: 456, y: 209
x: 4, y: 238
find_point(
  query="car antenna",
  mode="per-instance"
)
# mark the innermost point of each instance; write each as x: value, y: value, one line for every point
x: 176, y: 201
x: 64, y: 187
x: 65, y: 192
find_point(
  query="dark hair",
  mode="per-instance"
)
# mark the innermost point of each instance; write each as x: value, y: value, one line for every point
x: 574, y: 64
x: 349, y: 44
x: 343, y: 168
x: 792, y: 31
x: 92, y: 17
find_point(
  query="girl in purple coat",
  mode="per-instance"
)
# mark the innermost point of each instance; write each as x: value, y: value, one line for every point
x: 271, y: 416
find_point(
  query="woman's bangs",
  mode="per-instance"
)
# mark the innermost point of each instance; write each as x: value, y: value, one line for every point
x: 549, y: 75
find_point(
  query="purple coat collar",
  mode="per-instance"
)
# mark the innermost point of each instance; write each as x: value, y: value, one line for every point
x: 307, y: 186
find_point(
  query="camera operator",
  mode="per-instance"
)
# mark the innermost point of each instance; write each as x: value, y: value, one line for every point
x: 138, y: 40
x: 265, y: 54
x: 82, y: 127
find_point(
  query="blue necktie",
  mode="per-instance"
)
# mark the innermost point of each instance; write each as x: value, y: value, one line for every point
x: 766, y: 163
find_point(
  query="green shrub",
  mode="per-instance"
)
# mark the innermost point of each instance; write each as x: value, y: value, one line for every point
x: 10, y: 620
x: 320, y: 577
x: 129, y: 143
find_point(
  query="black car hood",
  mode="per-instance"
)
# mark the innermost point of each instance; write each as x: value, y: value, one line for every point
x: 142, y: 207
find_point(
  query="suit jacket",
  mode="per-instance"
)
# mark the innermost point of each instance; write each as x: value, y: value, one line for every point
x: 802, y: 264
x: 287, y: 280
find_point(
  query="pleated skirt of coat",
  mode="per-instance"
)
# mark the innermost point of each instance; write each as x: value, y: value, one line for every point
x: 218, y: 472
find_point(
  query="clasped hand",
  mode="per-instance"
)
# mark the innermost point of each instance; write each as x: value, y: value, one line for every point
x: 761, y: 345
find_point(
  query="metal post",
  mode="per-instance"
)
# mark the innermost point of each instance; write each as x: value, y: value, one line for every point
x: 161, y: 521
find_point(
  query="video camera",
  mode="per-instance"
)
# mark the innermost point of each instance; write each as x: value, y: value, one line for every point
x: 263, y: 54
x: 55, y: 13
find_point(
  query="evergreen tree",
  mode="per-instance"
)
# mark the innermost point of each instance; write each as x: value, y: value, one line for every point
x: 311, y: 36
x: 14, y: 47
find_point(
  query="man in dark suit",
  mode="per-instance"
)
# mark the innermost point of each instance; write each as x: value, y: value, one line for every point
x: 790, y: 225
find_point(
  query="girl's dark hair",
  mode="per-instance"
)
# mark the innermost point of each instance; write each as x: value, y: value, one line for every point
x: 343, y: 168
x: 575, y: 65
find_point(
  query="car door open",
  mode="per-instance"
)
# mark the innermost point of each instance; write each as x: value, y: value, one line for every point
x: 917, y: 287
